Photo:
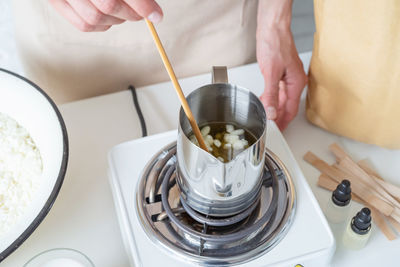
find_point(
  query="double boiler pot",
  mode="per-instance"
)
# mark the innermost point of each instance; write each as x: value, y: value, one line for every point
x: 208, y: 185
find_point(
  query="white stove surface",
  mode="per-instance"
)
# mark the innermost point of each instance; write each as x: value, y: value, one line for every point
x: 308, y: 242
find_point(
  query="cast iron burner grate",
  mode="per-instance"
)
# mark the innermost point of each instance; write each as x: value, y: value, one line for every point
x: 169, y: 221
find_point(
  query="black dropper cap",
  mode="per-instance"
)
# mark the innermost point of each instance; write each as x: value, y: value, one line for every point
x: 342, y: 194
x: 361, y: 223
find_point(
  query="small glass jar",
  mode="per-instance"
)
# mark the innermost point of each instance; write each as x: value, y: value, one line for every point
x: 60, y: 257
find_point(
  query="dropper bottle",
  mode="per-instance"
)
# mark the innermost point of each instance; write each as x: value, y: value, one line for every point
x: 337, y: 209
x: 358, y: 230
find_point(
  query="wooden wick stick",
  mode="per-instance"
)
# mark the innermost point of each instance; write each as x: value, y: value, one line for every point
x: 396, y: 224
x: 358, y: 187
x: 390, y: 188
x: 338, y: 152
x: 358, y: 173
x: 178, y: 88
x: 377, y: 198
x: 351, y: 167
x: 364, y: 165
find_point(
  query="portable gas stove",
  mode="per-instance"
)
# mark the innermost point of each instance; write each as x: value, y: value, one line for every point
x: 284, y: 227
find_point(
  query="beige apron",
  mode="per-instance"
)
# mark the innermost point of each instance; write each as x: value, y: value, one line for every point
x: 354, y: 81
x: 71, y: 65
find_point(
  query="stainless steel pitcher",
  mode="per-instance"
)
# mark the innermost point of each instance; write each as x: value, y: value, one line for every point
x: 208, y: 185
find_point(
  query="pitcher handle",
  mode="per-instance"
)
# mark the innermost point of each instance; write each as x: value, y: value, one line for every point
x: 219, y: 74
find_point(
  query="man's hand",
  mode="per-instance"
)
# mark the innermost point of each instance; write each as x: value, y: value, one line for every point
x: 100, y: 15
x: 279, y: 62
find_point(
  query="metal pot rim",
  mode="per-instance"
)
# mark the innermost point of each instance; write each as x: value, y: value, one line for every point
x: 237, y: 87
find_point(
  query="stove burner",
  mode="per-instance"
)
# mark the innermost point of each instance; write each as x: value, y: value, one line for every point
x: 219, y: 221
x: 169, y: 221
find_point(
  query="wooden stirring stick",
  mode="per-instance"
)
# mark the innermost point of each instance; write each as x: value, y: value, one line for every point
x: 178, y: 88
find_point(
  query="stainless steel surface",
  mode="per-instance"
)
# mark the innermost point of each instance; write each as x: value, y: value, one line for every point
x: 208, y: 185
x: 204, y: 244
x: 156, y: 172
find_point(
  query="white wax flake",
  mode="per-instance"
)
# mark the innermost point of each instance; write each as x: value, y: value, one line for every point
x: 228, y: 146
x: 209, y: 140
x: 205, y: 130
x: 217, y: 143
x: 230, y: 138
x: 20, y: 171
x: 238, y: 145
x: 237, y: 132
x: 224, y: 144
x: 229, y: 128
x: 245, y: 142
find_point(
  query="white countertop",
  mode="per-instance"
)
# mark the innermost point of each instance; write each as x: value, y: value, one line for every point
x: 83, y: 216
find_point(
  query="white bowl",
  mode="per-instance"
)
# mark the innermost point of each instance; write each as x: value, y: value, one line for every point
x: 33, y: 109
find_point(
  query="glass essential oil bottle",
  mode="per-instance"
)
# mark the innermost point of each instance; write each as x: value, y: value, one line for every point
x: 358, y: 230
x: 338, y: 206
